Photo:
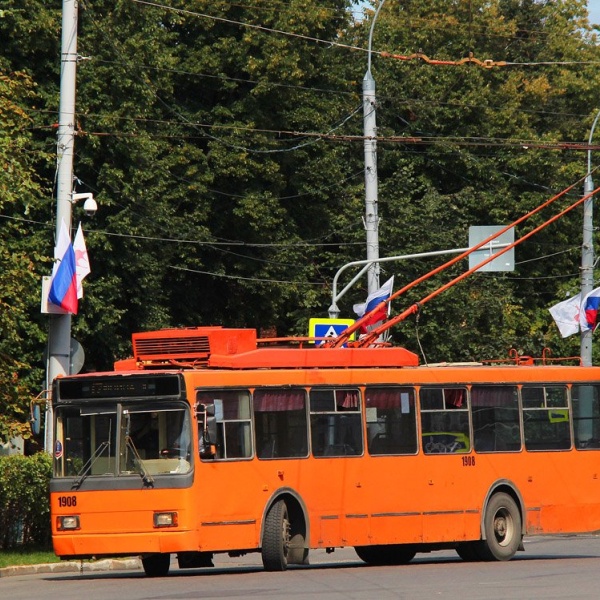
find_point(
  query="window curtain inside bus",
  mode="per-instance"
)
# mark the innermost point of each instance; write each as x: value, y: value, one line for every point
x: 278, y: 400
x: 391, y: 421
x: 347, y: 399
x: 280, y: 423
x: 335, y: 422
x: 496, y: 424
x: 455, y: 398
x: 387, y: 398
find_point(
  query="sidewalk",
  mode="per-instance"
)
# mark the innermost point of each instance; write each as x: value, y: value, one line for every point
x: 110, y: 564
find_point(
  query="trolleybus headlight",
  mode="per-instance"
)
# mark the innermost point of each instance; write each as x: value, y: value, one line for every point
x: 68, y: 522
x: 165, y: 519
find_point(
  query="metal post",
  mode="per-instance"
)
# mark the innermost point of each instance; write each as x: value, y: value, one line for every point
x: 59, y: 334
x: 370, y: 149
x: 587, y: 250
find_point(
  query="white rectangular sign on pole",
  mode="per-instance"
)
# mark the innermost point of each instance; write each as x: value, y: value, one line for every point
x: 505, y: 262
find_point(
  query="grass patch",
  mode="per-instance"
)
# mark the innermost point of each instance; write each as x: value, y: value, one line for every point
x: 26, y: 556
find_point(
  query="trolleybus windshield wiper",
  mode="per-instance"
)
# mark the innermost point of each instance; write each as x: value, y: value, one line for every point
x: 144, y: 473
x: 88, y: 465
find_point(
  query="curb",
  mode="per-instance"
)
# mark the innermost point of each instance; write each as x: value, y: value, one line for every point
x: 73, y: 567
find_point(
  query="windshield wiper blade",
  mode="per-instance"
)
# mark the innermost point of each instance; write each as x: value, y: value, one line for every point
x: 88, y: 465
x: 144, y: 473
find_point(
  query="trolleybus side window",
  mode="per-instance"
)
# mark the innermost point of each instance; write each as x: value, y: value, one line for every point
x: 586, y: 416
x: 281, y: 428
x: 391, y: 420
x: 444, y: 420
x: 546, y: 417
x: 496, y: 424
x: 231, y: 424
x: 335, y: 422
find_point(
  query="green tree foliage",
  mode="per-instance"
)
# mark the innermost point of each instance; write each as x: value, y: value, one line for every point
x: 222, y: 142
x: 21, y: 333
x: 198, y: 171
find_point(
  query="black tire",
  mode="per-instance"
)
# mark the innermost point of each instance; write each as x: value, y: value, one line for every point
x: 502, y: 525
x: 393, y: 554
x: 156, y: 565
x: 276, y: 538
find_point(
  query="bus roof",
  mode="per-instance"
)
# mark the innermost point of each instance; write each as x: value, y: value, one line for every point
x: 225, y: 348
x: 239, y: 349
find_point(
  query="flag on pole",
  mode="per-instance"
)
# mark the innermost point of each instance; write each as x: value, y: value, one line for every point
x: 589, y: 310
x: 373, y: 300
x: 566, y: 315
x: 574, y: 314
x: 82, y: 261
x: 63, y: 286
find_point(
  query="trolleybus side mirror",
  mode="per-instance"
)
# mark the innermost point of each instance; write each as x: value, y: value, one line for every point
x: 207, y: 430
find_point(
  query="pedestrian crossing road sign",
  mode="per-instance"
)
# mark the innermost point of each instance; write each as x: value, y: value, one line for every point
x: 328, y: 328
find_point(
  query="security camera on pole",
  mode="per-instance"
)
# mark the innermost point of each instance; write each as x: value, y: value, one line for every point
x: 90, y: 206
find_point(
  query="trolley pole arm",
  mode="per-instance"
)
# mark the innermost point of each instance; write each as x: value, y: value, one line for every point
x: 372, y: 336
x: 344, y: 337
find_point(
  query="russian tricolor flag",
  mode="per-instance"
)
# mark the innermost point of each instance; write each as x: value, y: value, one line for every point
x: 575, y: 315
x: 590, y: 308
x: 63, y: 287
x: 373, y: 300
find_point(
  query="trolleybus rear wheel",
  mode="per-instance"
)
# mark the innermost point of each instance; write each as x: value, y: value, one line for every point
x: 276, y: 538
x: 156, y: 565
x: 502, y: 524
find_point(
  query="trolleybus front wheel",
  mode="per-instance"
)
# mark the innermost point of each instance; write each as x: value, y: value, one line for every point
x: 156, y: 565
x: 276, y: 538
x: 502, y: 524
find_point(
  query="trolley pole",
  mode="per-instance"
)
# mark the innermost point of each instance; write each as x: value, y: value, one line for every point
x: 59, y: 334
x: 587, y: 250
x: 371, y: 183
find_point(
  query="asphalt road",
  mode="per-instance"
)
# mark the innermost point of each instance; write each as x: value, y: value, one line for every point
x: 550, y: 568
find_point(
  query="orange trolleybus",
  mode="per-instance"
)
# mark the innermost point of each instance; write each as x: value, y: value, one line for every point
x: 210, y: 441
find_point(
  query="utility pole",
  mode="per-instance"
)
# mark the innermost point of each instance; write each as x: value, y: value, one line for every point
x: 587, y: 250
x: 371, y: 184
x: 59, y: 334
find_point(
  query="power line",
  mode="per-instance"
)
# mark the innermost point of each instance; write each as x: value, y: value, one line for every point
x: 311, y: 243
x: 275, y: 84
x: 524, y: 144
x: 256, y: 279
x: 328, y: 43
x: 486, y: 63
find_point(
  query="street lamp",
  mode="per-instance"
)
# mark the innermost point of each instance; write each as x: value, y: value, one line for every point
x: 370, y: 149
